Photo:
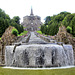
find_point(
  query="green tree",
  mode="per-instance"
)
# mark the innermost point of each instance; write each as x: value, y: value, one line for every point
x: 69, y: 29
x: 3, y: 25
x: 47, y: 19
x: 73, y: 26
x: 59, y: 18
x: 5, y: 21
x: 2, y: 14
x: 53, y: 23
x: 16, y: 19
x: 64, y: 13
x: 7, y: 17
x: 67, y: 20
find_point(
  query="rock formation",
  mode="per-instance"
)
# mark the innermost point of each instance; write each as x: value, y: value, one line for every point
x: 6, y: 39
x: 65, y: 37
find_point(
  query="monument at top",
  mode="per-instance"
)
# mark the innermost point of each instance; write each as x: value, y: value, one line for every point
x: 32, y: 23
x: 31, y: 12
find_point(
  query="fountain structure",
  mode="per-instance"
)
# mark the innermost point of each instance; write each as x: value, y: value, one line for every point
x: 38, y: 53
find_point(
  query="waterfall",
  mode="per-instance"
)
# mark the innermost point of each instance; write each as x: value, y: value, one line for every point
x: 37, y: 54
x: 40, y: 55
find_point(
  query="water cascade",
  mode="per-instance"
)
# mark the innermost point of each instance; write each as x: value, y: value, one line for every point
x: 38, y: 53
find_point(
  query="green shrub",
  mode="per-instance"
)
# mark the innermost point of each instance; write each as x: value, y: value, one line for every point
x: 69, y: 29
x: 15, y: 32
x: 23, y: 33
x: 39, y: 32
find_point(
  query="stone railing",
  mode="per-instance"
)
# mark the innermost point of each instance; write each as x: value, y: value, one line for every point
x: 48, y: 39
x: 22, y: 40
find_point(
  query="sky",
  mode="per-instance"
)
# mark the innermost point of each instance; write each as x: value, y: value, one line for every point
x: 41, y: 8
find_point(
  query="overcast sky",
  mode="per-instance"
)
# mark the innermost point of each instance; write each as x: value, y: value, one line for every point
x: 41, y: 8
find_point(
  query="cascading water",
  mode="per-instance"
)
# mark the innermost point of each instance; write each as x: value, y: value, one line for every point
x: 39, y: 55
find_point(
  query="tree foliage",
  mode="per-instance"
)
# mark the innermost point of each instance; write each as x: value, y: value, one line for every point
x: 16, y: 19
x: 65, y: 18
x: 5, y: 21
x: 47, y: 19
x: 73, y: 25
x: 17, y: 26
x: 15, y: 32
x: 69, y: 29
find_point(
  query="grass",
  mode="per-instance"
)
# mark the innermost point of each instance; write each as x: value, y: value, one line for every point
x: 39, y: 27
x: 0, y: 38
x: 24, y: 33
x: 24, y: 27
x: 39, y: 32
x: 70, y: 71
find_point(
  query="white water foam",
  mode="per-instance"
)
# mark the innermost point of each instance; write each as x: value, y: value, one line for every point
x: 39, y: 68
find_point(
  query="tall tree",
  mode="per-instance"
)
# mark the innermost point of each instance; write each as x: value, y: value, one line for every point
x: 67, y: 20
x: 4, y: 21
x: 47, y: 19
x: 16, y: 19
x: 73, y: 26
x: 55, y: 21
